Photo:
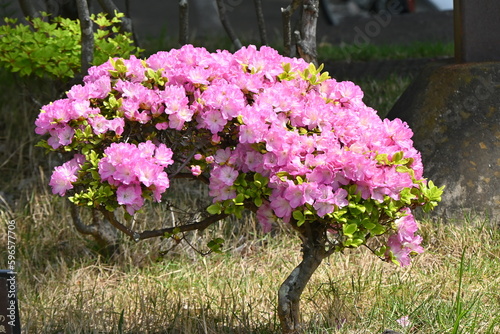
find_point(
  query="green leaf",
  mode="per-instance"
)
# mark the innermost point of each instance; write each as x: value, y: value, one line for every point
x: 379, y: 229
x: 214, y: 209
x: 357, y: 242
x: 298, y: 215
x: 396, y: 157
x: 240, y: 199
x: 383, y: 159
x: 404, y: 169
x: 434, y: 193
x: 283, y: 176
x: 215, y: 245
x: 349, y: 230
x: 369, y: 225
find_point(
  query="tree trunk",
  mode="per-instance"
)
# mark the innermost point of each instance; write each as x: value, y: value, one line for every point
x: 286, y: 14
x: 87, y: 36
x: 104, y: 233
x: 260, y: 21
x: 183, y: 22
x: 227, y: 26
x: 28, y: 9
x: 306, y: 38
x: 313, y: 252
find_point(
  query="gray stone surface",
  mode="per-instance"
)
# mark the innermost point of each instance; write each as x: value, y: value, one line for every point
x: 454, y: 111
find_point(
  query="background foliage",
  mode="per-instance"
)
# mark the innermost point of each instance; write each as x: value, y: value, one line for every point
x: 52, y: 47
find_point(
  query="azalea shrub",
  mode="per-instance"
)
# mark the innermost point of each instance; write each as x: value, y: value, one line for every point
x: 267, y: 133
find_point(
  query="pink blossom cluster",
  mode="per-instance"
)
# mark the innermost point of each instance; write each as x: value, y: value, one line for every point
x: 131, y: 168
x: 404, y: 242
x: 59, y: 118
x: 311, y: 140
x: 63, y: 176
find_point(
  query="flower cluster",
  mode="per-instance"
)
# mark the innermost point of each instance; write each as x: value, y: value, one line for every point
x: 404, y: 242
x: 131, y: 168
x: 262, y: 127
x: 63, y: 177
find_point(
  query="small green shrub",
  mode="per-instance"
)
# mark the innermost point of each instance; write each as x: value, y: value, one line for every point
x: 53, y: 48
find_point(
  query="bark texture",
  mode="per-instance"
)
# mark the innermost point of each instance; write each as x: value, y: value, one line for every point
x: 104, y: 233
x: 314, y: 250
x: 286, y: 14
x: 87, y: 35
x: 183, y: 22
x: 261, y: 22
x: 306, y: 38
x: 227, y: 25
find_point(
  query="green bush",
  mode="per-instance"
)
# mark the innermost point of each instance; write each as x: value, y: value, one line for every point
x: 53, y: 48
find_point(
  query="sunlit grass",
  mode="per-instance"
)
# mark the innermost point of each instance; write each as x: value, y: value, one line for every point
x: 66, y: 287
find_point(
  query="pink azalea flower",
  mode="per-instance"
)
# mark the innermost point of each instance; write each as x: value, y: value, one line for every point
x: 160, y: 185
x: 404, y: 321
x: 161, y: 126
x: 213, y: 120
x: 281, y: 208
x: 225, y: 174
x: 404, y: 242
x: 99, y: 124
x: 63, y: 176
x: 295, y: 195
x: 163, y: 155
x: 131, y: 197
x: 222, y: 156
x: 195, y: 170
x: 266, y: 217
x: 129, y: 194
x: 148, y: 173
x: 117, y: 125
x: 225, y: 193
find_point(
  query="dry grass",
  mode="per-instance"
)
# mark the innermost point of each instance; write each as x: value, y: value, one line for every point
x: 66, y: 287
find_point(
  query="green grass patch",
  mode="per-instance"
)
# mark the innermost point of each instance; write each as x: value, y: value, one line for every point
x: 65, y: 288
x: 381, y: 95
x: 366, y: 52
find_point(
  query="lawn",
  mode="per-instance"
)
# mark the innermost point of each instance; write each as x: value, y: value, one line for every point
x: 158, y: 286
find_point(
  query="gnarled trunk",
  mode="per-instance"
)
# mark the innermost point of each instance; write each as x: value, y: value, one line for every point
x: 313, y: 252
x: 104, y: 233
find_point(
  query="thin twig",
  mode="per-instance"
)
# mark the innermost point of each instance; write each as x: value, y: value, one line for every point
x: 183, y: 21
x: 136, y: 236
x: 261, y: 22
x: 227, y: 26
x: 186, y: 161
x: 286, y: 14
